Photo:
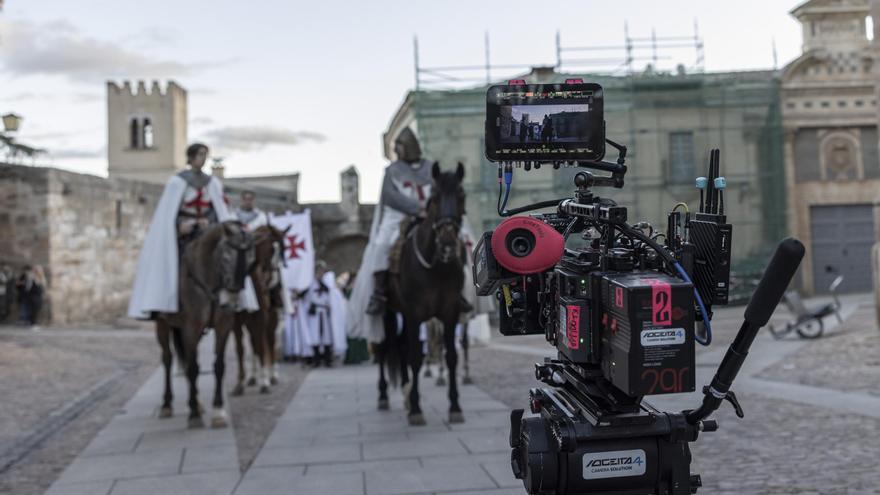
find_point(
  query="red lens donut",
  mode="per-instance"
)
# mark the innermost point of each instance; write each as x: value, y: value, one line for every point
x: 524, y: 245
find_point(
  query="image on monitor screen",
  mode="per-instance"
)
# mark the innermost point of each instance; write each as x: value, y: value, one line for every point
x: 530, y: 124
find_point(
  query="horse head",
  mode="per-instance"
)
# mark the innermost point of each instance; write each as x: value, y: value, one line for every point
x: 235, y: 255
x: 269, y: 249
x: 444, y: 212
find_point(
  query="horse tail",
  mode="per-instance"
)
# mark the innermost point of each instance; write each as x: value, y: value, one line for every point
x: 177, y: 339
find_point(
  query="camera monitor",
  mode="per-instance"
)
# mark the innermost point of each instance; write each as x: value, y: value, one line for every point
x: 545, y: 123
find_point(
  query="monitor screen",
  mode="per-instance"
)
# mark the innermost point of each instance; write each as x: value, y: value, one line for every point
x: 545, y: 123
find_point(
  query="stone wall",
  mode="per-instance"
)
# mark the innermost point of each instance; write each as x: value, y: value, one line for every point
x: 96, y: 230
x: 86, y: 231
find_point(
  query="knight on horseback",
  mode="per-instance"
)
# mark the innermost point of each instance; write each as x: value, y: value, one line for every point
x: 191, y: 202
x: 406, y: 188
x: 192, y: 275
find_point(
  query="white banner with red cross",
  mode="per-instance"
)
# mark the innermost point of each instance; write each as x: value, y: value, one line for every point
x: 299, y: 250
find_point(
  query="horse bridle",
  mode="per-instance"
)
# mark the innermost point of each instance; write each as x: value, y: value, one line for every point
x: 435, y: 228
x: 240, y: 249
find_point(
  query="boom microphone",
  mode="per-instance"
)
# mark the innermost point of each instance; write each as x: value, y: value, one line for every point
x: 776, y: 278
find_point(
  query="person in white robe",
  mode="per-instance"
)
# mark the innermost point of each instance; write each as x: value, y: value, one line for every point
x: 248, y: 214
x: 190, y: 203
x: 323, y: 307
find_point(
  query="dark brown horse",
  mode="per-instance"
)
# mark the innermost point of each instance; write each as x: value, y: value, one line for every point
x: 212, y: 269
x: 261, y: 325
x: 428, y: 285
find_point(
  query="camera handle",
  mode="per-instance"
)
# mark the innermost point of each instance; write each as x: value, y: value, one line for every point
x: 764, y: 300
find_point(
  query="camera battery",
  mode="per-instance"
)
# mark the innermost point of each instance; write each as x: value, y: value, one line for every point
x: 647, y: 333
x: 574, y: 339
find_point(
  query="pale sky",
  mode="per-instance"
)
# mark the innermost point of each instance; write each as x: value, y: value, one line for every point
x: 290, y: 85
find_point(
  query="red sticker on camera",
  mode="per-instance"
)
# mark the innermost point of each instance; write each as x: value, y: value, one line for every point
x: 661, y: 303
x: 573, y: 326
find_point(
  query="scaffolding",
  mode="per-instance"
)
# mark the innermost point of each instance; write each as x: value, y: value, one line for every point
x: 611, y: 60
x: 622, y: 59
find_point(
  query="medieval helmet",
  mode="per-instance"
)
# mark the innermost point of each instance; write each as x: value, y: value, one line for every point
x: 407, y: 146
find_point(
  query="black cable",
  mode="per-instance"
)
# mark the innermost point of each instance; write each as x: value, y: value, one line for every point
x: 570, y: 227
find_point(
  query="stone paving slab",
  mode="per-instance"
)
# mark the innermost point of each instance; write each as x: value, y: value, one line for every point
x: 138, y: 453
x: 334, y: 440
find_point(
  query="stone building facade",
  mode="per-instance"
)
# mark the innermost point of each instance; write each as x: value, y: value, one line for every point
x: 830, y: 117
x: 669, y: 122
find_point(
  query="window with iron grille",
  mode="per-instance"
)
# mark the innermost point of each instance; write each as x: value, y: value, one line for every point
x: 682, y: 166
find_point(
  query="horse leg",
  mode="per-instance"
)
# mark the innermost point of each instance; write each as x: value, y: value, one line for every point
x: 465, y: 347
x: 381, y: 349
x: 192, y: 334
x: 269, y: 339
x: 257, y: 325
x: 455, y: 415
x: 430, y: 356
x: 221, y: 333
x: 163, y: 335
x: 255, y: 371
x: 439, y: 343
x: 414, y: 358
x: 239, y: 350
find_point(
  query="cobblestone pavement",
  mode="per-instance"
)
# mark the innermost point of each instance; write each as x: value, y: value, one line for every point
x: 781, y: 446
x: 847, y: 359
x: 43, y: 372
x: 254, y: 415
x: 92, y: 372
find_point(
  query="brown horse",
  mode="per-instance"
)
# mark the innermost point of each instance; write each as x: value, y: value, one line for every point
x: 261, y: 325
x: 212, y: 269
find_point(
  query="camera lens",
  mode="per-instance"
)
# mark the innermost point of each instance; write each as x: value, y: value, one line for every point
x: 520, y: 242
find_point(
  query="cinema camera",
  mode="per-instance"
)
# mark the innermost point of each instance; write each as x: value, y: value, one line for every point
x: 622, y: 304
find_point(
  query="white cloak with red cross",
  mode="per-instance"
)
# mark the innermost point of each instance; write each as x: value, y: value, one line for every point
x: 155, y: 283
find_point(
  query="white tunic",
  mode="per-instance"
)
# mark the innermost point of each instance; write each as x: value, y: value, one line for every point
x: 253, y: 219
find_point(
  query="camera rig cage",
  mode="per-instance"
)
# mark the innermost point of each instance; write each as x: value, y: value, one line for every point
x: 621, y: 309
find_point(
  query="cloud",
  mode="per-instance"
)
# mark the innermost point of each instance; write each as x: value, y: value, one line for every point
x: 251, y: 138
x: 59, y: 48
x: 76, y: 153
x: 154, y: 35
x: 196, y: 121
x: 86, y: 97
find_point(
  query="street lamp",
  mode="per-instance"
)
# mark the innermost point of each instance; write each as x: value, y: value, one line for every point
x: 11, y: 122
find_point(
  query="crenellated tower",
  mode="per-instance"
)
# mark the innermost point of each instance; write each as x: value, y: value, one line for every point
x: 146, y: 130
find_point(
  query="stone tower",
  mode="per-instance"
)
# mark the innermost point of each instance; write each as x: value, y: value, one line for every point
x: 350, y: 185
x: 146, y: 131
